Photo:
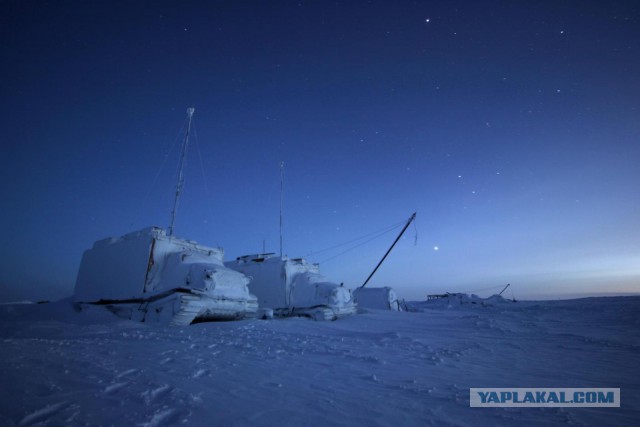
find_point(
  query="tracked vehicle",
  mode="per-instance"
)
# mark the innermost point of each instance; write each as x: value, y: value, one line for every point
x: 151, y: 277
x: 294, y: 287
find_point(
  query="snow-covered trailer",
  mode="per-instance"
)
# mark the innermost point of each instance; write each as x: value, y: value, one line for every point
x: 294, y: 287
x: 151, y: 277
x: 384, y: 298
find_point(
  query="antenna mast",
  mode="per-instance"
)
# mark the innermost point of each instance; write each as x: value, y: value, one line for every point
x: 505, y: 288
x: 183, y: 157
x: 388, y: 251
x: 281, y: 197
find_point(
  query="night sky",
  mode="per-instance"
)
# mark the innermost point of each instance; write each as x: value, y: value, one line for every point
x: 512, y: 128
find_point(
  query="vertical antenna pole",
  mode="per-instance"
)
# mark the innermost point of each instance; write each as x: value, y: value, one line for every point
x: 180, y: 183
x: 281, y: 197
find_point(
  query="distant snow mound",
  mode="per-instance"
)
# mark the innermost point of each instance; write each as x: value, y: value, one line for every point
x: 453, y: 300
x: 498, y: 299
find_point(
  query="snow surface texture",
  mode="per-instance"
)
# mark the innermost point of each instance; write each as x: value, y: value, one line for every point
x: 59, y: 366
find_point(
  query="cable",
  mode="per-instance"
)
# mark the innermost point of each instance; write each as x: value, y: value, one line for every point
x: 485, y: 289
x: 164, y: 162
x: 204, y: 178
x: 383, y: 230
x: 357, y: 246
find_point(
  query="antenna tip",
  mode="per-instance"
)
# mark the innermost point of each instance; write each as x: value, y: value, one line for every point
x: 190, y: 111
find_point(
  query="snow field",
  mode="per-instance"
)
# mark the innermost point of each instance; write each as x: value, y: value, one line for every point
x: 64, y: 367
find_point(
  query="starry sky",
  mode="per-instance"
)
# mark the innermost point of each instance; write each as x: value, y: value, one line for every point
x: 512, y: 128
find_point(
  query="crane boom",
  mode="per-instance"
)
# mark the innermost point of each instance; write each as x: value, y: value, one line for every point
x: 504, y: 289
x: 389, y: 250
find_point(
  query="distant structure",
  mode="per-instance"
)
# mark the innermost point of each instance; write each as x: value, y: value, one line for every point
x: 454, y: 294
x: 438, y: 296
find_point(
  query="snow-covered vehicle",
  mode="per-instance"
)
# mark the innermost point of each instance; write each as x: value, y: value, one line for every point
x: 294, y: 287
x: 152, y: 277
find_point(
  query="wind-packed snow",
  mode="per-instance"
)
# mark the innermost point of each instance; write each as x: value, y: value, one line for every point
x: 60, y: 366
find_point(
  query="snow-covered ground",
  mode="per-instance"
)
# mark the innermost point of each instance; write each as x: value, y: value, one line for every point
x: 59, y: 366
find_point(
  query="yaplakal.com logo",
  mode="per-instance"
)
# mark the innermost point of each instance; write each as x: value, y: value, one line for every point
x: 544, y: 397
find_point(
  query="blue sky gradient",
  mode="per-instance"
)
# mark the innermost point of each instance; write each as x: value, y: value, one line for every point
x: 511, y: 128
